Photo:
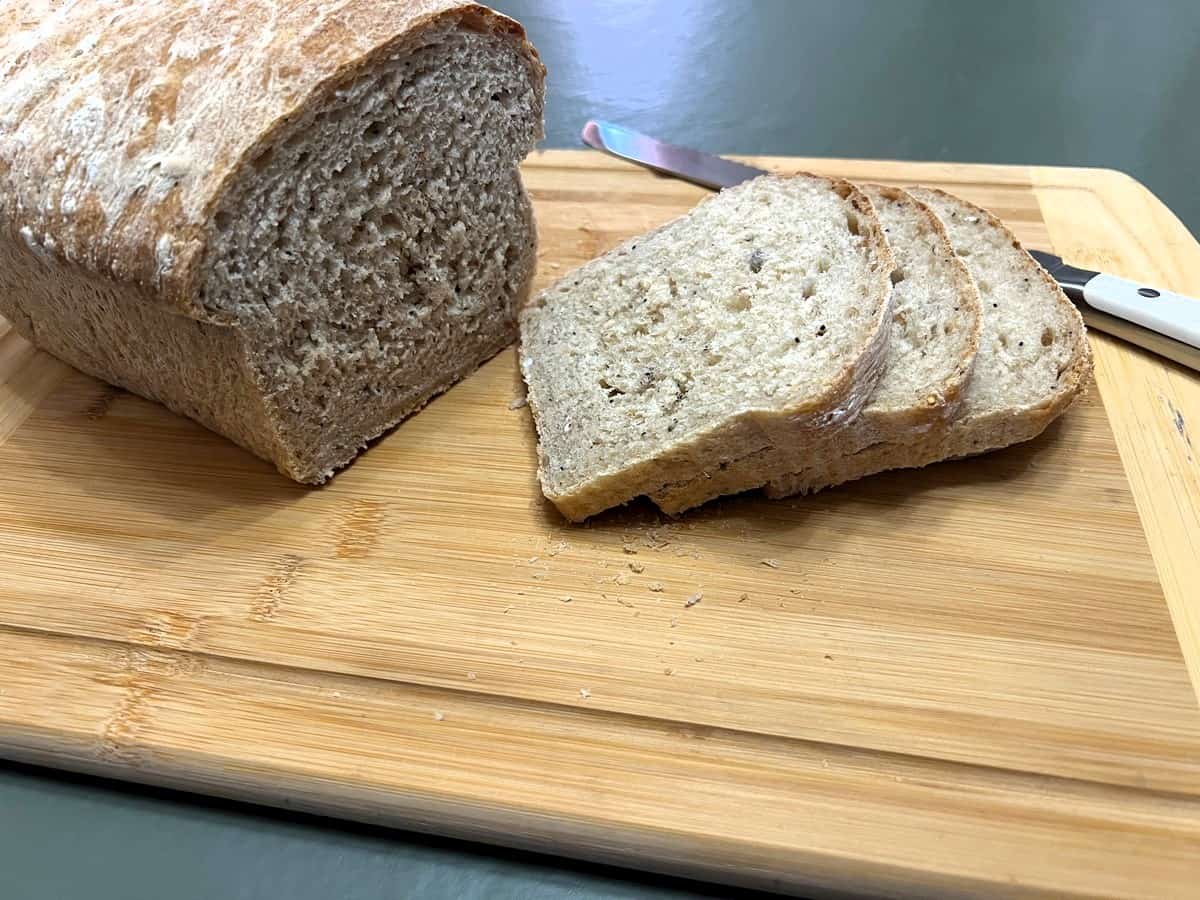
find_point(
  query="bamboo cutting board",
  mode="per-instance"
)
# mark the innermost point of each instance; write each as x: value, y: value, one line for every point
x: 964, y: 679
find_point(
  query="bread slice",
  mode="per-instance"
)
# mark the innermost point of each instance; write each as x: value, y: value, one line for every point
x: 933, y: 340
x: 1032, y: 363
x: 294, y: 228
x: 765, y: 305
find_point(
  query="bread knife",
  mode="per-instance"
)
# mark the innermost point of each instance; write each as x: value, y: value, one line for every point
x: 1153, y: 318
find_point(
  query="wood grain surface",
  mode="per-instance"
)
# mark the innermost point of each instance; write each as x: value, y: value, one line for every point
x: 965, y: 679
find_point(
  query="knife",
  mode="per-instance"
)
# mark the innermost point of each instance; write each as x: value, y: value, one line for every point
x: 1155, y: 319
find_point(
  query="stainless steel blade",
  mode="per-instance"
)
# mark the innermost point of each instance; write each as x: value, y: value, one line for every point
x: 1069, y: 277
x: 682, y: 162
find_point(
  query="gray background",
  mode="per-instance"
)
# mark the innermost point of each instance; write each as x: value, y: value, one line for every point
x: 1068, y: 83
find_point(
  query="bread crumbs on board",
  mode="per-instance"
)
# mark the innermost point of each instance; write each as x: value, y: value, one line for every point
x: 771, y: 563
x: 657, y: 586
x: 693, y: 600
x: 585, y: 693
x: 438, y: 715
x: 637, y: 567
x: 518, y: 402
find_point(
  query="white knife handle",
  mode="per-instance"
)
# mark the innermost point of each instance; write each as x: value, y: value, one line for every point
x: 1174, y: 315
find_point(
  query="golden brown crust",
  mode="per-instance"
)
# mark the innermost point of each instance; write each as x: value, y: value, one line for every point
x: 113, y: 162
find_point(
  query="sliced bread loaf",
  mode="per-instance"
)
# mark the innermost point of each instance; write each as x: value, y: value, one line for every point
x: 1033, y: 357
x: 934, y: 334
x: 688, y: 345
x: 292, y: 222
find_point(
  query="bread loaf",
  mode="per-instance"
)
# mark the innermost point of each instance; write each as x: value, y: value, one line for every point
x: 763, y: 309
x: 292, y: 222
x: 933, y: 338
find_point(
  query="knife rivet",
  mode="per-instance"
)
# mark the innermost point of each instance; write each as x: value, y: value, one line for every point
x: 1148, y: 292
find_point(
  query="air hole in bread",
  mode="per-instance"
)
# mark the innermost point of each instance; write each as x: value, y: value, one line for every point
x: 962, y: 251
x: 390, y: 224
x: 610, y: 389
x: 222, y: 220
x: 373, y: 132
x: 821, y: 331
x: 808, y: 287
x: 1002, y: 339
x: 359, y: 237
x: 1047, y: 336
x: 985, y: 286
x: 948, y: 328
x: 853, y: 312
x: 897, y: 275
x: 852, y: 222
x: 823, y: 264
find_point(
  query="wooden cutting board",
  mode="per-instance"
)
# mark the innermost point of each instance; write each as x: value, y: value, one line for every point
x: 964, y: 679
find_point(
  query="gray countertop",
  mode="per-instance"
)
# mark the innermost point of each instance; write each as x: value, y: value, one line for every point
x: 1072, y: 82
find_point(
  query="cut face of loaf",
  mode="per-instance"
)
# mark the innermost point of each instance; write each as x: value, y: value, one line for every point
x: 933, y: 338
x: 765, y: 305
x: 331, y: 227
x: 1032, y: 363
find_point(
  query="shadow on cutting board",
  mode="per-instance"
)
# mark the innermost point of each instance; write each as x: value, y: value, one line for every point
x: 894, y: 489
x: 102, y: 444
